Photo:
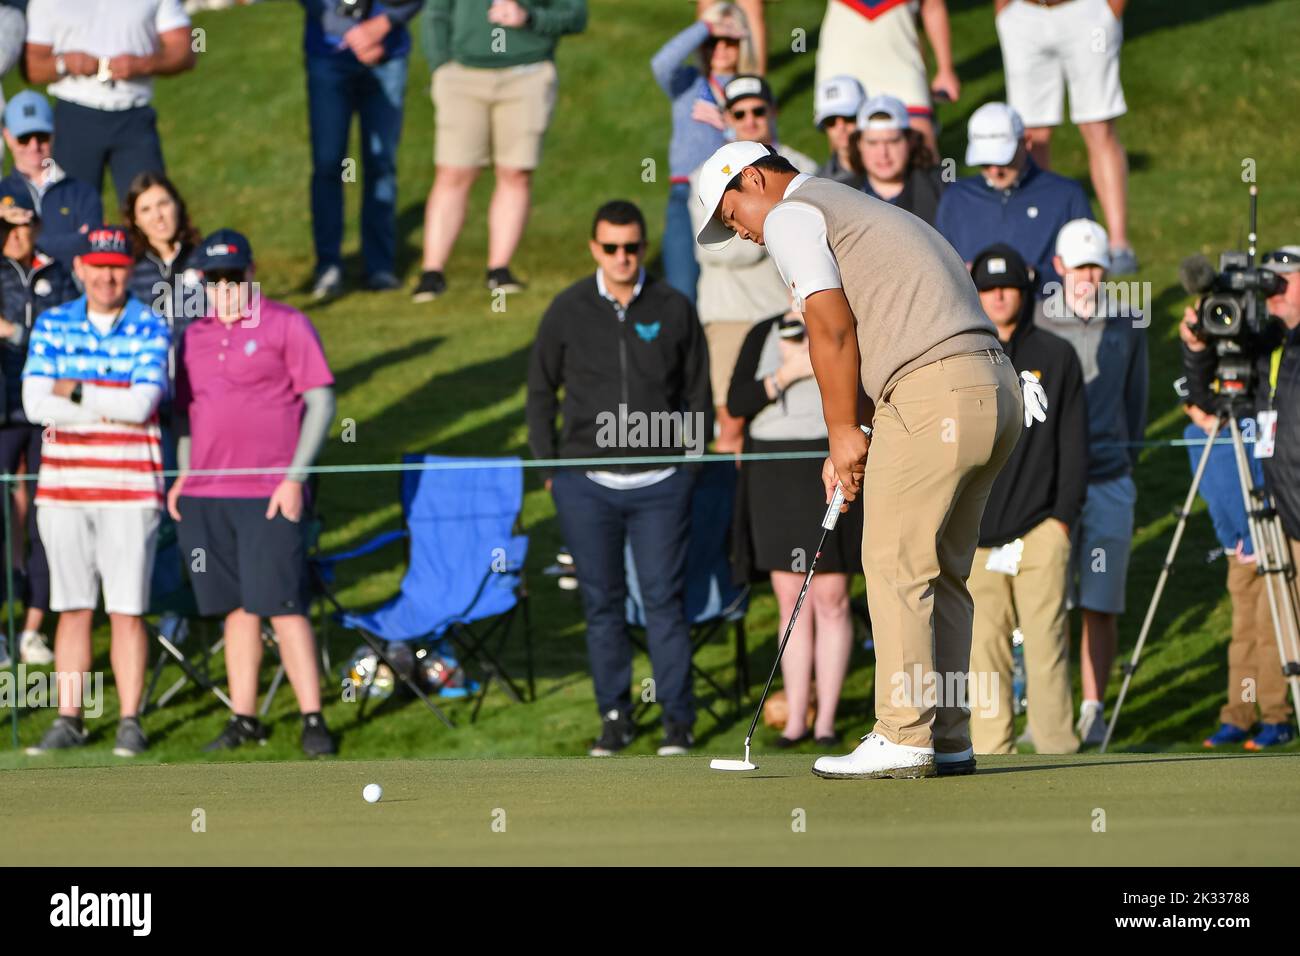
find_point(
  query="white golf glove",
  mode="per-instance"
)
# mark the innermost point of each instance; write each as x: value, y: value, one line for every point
x: 1035, y: 399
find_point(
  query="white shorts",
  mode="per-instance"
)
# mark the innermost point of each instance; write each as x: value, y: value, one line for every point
x: 87, y: 546
x: 1045, y: 48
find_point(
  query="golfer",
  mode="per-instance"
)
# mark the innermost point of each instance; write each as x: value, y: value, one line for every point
x: 898, y: 339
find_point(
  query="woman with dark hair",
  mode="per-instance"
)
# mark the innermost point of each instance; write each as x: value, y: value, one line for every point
x: 773, y: 389
x: 894, y: 160
x: 722, y: 46
x: 162, y: 238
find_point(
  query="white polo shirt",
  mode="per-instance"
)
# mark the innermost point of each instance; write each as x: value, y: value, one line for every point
x: 795, y: 236
x: 103, y: 28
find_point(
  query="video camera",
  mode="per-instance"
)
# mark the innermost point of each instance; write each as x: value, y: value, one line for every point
x: 1233, y: 312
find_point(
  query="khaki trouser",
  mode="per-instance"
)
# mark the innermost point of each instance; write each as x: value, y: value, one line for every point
x: 942, y: 433
x: 1252, y: 655
x: 1033, y: 600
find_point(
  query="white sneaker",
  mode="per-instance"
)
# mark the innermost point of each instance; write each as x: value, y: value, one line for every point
x: 1091, y: 725
x: 32, y: 649
x: 877, y: 757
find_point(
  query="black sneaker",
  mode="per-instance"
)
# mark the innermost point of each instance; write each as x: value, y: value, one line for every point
x: 431, y: 285
x: 616, y: 732
x: 131, y: 741
x: 500, y: 280
x: 678, y: 740
x: 382, y: 282
x: 316, y: 739
x: 237, y: 732
x: 64, y: 734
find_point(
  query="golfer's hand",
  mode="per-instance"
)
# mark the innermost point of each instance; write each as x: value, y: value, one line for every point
x: 174, y: 498
x: 1187, y: 331
x: 847, y: 463
x: 1035, y: 399
x: 287, y: 499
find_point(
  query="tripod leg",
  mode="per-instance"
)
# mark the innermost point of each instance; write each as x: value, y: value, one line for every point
x: 1186, y: 511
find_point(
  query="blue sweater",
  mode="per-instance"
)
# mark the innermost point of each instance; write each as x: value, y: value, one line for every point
x: 66, y: 208
x: 693, y: 142
x: 323, y: 29
x: 973, y: 216
x: 1221, y: 489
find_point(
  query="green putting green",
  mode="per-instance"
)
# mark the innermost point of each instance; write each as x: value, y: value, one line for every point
x: 1179, y: 809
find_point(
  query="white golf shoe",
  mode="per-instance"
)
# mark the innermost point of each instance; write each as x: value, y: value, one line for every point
x: 877, y: 757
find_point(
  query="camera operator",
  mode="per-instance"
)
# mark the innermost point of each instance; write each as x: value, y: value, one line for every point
x: 1276, y: 353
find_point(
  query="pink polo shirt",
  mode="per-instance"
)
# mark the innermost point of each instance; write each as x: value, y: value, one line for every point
x: 241, y: 386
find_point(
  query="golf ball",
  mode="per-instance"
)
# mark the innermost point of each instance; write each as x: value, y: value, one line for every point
x: 372, y: 793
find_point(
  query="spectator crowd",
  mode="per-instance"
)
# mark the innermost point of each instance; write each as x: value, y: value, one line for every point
x: 111, y: 383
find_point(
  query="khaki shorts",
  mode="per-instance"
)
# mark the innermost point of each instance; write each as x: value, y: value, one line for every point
x: 497, y: 116
x: 725, y: 340
x: 104, y: 549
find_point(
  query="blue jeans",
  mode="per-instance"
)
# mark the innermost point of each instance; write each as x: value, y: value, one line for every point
x: 681, y: 269
x: 337, y: 87
x: 596, y: 523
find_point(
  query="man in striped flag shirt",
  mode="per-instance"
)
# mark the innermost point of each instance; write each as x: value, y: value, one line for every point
x: 96, y: 372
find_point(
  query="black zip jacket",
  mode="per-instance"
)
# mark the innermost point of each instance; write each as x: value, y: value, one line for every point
x: 24, y: 294
x: 652, y: 361
x: 1282, y: 471
x: 1047, y: 473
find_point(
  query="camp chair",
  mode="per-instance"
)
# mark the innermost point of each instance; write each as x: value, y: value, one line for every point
x: 712, y: 601
x: 464, y: 578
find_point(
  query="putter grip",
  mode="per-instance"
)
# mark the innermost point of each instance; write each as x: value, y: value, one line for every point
x: 833, y: 509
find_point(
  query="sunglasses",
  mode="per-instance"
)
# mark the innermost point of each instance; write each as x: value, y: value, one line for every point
x: 26, y: 138
x: 631, y: 248
x: 224, y: 275
x: 834, y: 121
x: 758, y: 112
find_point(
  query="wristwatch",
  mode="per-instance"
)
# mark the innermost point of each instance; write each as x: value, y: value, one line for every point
x: 75, y: 397
x: 60, y: 65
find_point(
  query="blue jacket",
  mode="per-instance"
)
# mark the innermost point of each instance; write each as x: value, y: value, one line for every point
x: 323, y: 29
x: 1221, y: 488
x: 973, y: 216
x: 66, y: 208
x: 25, y: 294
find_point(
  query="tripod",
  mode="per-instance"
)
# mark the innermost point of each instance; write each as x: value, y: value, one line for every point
x: 1274, y: 562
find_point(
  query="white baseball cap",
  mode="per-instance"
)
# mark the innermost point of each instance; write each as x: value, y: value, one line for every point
x: 891, y: 106
x: 838, y: 96
x: 993, y: 134
x: 1082, y: 242
x: 718, y: 170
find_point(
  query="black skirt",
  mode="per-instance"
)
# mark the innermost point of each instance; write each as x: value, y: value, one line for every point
x: 779, y: 509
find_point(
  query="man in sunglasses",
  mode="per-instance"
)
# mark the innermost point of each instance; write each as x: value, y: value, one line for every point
x: 67, y: 207
x: 835, y: 113
x: 253, y: 391
x: 628, y: 350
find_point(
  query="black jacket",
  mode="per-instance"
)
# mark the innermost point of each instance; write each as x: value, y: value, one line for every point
x: 25, y: 294
x: 1282, y: 471
x: 653, y: 360
x: 922, y: 190
x: 1047, y: 473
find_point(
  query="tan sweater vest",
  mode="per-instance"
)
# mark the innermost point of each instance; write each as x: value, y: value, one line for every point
x: 909, y: 290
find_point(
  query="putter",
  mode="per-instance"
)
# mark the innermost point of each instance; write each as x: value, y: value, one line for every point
x: 828, y: 524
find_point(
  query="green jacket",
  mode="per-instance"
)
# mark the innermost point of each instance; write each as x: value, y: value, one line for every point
x: 460, y: 30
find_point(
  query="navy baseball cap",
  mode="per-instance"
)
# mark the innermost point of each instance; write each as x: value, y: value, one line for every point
x: 14, y: 195
x: 29, y: 112
x: 224, y: 250
x: 1001, y: 267
x: 106, y: 246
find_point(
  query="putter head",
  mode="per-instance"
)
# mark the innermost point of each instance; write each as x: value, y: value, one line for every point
x: 732, y: 765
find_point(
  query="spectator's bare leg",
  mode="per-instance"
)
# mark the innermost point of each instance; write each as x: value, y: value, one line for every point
x: 1040, y: 145
x: 298, y: 652
x: 830, y: 603
x: 797, y: 661
x: 130, y: 656
x: 444, y: 213
x: 508, y: 214
x: 72, y: 658
x: 243, y: 635
x: 1100, y: 643
x: 1108, y: 164
x: 925, y: 126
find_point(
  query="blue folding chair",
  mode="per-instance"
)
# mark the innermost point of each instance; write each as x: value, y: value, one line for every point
x: 712, y: 600
x: 465, y: 568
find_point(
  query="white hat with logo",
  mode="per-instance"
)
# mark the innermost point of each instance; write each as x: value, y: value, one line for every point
x: 716, y: 172
x: 993, y: 134
x: 838, y: 96
x: 1082, y: 242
